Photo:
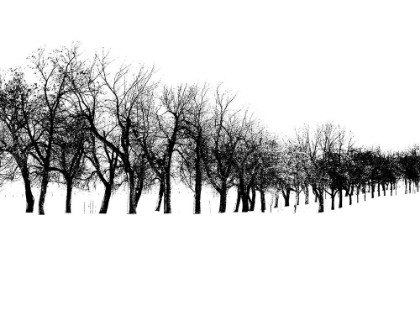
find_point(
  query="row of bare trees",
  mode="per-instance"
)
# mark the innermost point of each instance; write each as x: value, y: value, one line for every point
x: 84, y: 121
x: 327, y: 160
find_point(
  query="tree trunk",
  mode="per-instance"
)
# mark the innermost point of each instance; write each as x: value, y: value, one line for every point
x: 238, y: 201
x: 30, y: 201
x: 253, y: 198
x: 276, y: 200
x: 131, y: 193
x: 372, y: 190
x: 43, y: 193
x: 244, y: 195
x: 69, y: 191
x: 379, y: 189
x: 357, y: 194
x: 223, y: 198
x: 405, y: 184
x: 321, y: 202
x: 161, y: 190
x: 306, y: 195
x: 364, y: 192
x: 198, y: 182
x: 286, y: 196
x: 197, y: 197
x: 45, y: 175
x: 139, y: 191
x: 340, y: 197
x: 245, y: 202
x: 167, y: 201
x: 351, y: 191
x: 384, y: 189
x: 333, y: 201
x: 262, y: 197
x: 296, y: 201
x: 105, y: 200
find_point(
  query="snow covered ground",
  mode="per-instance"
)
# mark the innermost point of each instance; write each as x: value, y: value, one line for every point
x: 361, y: 259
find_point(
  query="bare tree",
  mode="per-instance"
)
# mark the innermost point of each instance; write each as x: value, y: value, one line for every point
x: 313, y: 147
x: 409, y: 162
x: 285, y: 178
x: 225, y: 135
x: 295, y: 179
x: 68, y: 151
x: 52, y: 71
x: 170, y: 116
x: 194, y: 144
x: 267, y: 161
x: 247, y: 159
x: 356, y: 165
x: 15, y: 106
x: 147, y: 133
x: 109, y: 97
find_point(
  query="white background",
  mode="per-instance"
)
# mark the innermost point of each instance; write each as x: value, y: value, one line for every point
x: 354, y: 62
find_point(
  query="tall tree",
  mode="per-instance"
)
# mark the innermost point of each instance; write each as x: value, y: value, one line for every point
x: 267, y: 160
x: 194, y: 144
x: 175, y: 103
x: 225, y: 135
x: 52, y: 72
x: 315, y: 147
x: 16, y: 105
x: 109, y: 96
x: 246, y: 159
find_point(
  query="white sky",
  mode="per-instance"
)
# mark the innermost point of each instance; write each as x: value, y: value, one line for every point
x: 354, y: 62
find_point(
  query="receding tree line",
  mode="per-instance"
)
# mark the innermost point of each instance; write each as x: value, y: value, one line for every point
x: 89, y: 120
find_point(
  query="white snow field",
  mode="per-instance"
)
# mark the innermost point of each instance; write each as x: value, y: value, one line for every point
x: 361, y: 259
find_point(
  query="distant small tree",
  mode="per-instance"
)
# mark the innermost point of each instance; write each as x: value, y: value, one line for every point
x: 409, y: 162
x: 316, y: 147
x: 357, y: 170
